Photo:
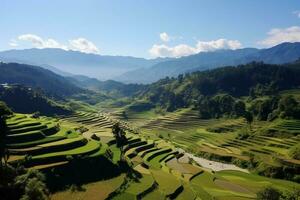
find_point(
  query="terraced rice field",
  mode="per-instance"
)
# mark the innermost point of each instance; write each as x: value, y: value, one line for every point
x: 218, y: 136
x: 44, y: 142
x: 166, y: 173
x: 162, y: 170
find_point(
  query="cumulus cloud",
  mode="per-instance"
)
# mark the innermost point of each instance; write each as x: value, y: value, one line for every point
x: 83, y: 45
x: 162, y: 50
x: 277, y: 36
x: 38, y: 42
x: 164, y: 37
x: 79, y: 44
x: 213, y: 45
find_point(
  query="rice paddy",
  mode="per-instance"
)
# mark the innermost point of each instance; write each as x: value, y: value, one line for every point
x: 163, y: 171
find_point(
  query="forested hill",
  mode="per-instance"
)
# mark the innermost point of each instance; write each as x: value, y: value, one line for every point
x: 37, y: 77
x: 28, y: 100
x: 252, y: 79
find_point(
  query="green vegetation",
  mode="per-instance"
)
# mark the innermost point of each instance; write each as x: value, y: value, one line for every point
x: 32, y: 101
x: 247, y: 116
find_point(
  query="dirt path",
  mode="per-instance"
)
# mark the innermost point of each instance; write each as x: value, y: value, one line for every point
x: 214, y: 165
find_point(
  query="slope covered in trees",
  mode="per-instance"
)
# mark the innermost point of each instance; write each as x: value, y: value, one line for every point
x: 37, y: 77
x: 253, y: 79
x: 28, y: 100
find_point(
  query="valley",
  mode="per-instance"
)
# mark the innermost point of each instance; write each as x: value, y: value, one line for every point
x: 151, y: 141
x: 150, y: 100
x: 56, y: 144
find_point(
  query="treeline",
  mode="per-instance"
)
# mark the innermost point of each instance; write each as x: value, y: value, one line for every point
x: 218, y: 92
x: 266, y: 108
x: 28, y: 100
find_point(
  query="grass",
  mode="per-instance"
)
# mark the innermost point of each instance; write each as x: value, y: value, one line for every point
x: 254, y: 183
x: 116, y: 153
x: 167, y: 183
x: 91, y: 146
x: 138, y: 187
x: 92, y: 191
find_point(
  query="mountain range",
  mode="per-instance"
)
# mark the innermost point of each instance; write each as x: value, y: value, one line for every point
x: 139, y: 70
x: 73, y: 62
x: 282, y: 53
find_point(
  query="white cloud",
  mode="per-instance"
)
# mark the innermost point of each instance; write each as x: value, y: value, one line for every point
x: 213, y: 45
x: 164, y: 37
x: 161, y: 50
x: 297, y: 13
x: 78, y: 44
x: 38, y: 42
x: 83, y: 45
x: 13, y: 43
x: 277, y: 36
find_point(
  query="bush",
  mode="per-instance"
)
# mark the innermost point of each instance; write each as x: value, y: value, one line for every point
x: 269, y: 193
x: 243, y: 134
x: 4, y: 110
x: 32, y: 183
x: 35, y: 190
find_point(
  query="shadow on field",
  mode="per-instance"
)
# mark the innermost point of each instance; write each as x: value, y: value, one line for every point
x: 82, y: 171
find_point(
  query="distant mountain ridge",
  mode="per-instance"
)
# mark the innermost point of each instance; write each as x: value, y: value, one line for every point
x: 37, y: 77
x: 139, y: 70
x: 282, y: 53
x: 93, y: 65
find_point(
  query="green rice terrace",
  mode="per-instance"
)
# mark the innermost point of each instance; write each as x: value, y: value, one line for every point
x: 158, y: 165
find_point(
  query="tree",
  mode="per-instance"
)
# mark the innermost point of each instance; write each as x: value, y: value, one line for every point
x: 239, y: 108
x: 119, y: 134
x: 289, y: 107
x: 32, y: 184
x: 4, y: 111
x: 269, y: 193
x: 35, y: 190
x: 249, y: 118
x: 292, y: 195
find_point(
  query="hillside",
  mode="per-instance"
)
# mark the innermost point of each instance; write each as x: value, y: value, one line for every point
x: 236, y: 81
x: 282, y: 53
x: 93, y: 65
x: 110, y: 87
x: 37, y: 77
x: 28, y: 100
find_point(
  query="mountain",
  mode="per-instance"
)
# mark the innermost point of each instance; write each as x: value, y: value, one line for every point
x: 115, y: 88
x: 45, y: 66
x: 282, y: 53
x: 279, y: 54
x: 201, y: 61
x: 238, y: 81
x: 22, y: 99
x: 93, y: 65
x: 37, y: 77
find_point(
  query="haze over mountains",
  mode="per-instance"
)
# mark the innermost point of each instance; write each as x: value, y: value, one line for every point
x: 282, y: 53
x: 66, y: 62
x: 140, y: 70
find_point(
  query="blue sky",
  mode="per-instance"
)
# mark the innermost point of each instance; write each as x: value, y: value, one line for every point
x: 148, y: 28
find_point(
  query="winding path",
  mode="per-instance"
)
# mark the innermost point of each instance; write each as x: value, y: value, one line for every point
x: 214, y: 165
